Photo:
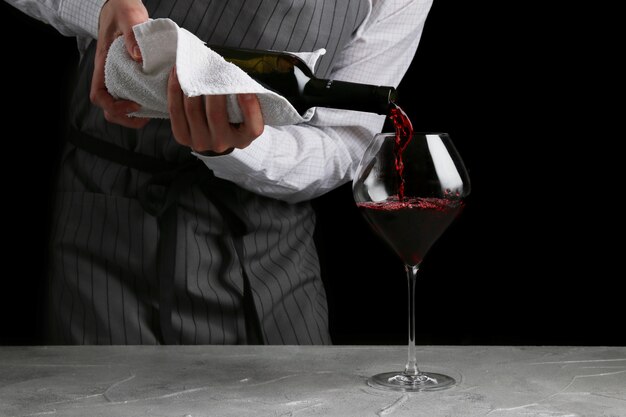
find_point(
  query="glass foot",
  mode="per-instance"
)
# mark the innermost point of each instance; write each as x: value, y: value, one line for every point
x: 398, y: 381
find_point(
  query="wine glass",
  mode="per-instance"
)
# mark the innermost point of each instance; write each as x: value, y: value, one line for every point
x: 410, y: 193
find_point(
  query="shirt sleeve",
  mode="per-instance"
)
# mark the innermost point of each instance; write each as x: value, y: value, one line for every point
x: 301, y: 162
x: 77, y: 18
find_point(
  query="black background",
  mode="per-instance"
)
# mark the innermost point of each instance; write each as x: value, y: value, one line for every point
x: 529, y: 96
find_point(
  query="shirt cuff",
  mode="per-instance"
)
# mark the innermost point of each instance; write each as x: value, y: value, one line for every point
x: 236, y: 166
x: 83, y: 14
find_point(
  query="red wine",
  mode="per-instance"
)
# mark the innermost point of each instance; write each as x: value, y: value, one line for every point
x: 411, y: 226
x: 404, y: 133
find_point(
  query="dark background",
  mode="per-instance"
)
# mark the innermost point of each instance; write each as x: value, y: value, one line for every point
x: 530, y: 98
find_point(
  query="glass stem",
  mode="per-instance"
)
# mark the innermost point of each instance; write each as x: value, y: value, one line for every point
x: 411, y: 365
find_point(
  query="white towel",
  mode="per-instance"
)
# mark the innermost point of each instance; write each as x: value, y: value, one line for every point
x: 200, y: 70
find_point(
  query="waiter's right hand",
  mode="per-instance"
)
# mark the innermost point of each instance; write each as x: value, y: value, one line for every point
x: 117, y: 18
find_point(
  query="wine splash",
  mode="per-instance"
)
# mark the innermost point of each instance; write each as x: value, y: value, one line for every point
x: 404, y: 132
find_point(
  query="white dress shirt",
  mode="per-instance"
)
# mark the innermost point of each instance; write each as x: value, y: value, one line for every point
x: 298, y: 162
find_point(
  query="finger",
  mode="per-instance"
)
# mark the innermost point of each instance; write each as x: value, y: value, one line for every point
x: 176, y: 108
x: 133, y: 14
x: 132, y: 46
x: 201, y: 139
x: 217, y: 118
x: 253, y: 123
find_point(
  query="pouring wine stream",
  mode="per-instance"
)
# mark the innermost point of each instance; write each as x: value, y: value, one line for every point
x: 404, y: 133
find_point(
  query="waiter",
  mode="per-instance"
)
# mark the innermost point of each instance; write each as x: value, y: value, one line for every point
x: 155, y: 244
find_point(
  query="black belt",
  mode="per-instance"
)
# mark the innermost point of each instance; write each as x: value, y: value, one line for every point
x: 158, y: 197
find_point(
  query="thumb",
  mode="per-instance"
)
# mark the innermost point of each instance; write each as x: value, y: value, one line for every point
x: 131, y: 45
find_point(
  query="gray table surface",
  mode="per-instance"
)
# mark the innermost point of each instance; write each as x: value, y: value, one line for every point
x: 197, y: 381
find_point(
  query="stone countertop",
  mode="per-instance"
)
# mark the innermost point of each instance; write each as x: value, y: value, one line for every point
x: 298, y: 381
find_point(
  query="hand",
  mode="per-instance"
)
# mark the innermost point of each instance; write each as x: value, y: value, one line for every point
x: 202, y: 122
x: 117, y: 18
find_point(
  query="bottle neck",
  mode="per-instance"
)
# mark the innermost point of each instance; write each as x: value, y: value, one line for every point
x: 347, y: 95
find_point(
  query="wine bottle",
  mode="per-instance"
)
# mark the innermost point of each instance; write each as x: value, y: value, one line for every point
x: 289, y: 76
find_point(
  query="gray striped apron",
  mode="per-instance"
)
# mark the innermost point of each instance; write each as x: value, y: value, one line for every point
x: 149, y: 247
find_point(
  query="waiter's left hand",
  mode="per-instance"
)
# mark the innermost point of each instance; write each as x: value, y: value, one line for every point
x: 117, y: 18
x: 202, y: 122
